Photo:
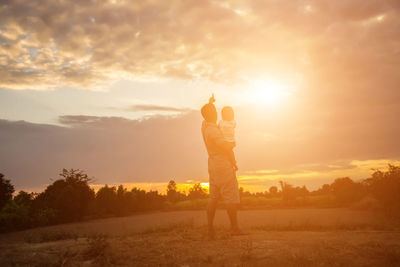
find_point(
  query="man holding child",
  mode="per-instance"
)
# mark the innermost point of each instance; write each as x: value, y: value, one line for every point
x: 219, y: 141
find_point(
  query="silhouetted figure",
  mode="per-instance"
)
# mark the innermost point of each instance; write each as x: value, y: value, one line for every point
x: 227, y: 126
x: 222, y: 173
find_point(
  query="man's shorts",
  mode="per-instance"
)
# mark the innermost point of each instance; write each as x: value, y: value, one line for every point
x: 223, y: 182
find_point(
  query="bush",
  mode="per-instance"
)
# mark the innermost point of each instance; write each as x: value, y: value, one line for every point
x: 14, y: 217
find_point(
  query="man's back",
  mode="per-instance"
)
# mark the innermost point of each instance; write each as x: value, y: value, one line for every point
x: 211, y: 132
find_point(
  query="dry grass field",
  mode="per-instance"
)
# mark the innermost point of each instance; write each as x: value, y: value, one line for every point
x: 298, y: 237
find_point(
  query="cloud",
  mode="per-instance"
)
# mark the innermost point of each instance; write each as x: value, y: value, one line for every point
x: 350, y: 45
x: 311, y: 149
x: 112, y: 149
x: 156, y: 108
x: 86, y: 121
x: 302, y: 169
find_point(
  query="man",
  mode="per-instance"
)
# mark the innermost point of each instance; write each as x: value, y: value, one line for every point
x: 222, y: 173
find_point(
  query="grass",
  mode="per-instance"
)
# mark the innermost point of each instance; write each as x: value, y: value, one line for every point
x: 288, y: 242
x: 183, y: 245
x: 260, y: 202
x: 181, y: 226
x: 50, y: 236
x: 98, y: 250
x: 305, y: 226
x: 196, y: 204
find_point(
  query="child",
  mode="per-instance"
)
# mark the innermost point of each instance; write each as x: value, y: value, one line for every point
x: 227, y: 126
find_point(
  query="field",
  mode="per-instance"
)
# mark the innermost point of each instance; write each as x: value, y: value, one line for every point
x: 291, y: 237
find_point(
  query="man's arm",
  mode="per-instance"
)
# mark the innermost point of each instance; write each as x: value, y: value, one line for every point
x: 217, y: 137
x: 232, y: 159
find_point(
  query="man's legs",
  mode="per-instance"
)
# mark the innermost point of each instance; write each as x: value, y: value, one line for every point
x: 232, y: 213
x: 211, y: 209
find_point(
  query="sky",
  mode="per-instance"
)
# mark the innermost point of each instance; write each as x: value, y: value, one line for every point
x: 115, y: 87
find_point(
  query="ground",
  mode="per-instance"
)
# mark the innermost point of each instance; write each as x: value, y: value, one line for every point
x: 299, y: 237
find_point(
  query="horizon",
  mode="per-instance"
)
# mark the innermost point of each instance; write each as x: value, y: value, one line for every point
x: 183, y: 186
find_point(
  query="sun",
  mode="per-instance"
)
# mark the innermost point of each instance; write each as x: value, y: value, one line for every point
x: 267, y: 92
x: 205, y: 185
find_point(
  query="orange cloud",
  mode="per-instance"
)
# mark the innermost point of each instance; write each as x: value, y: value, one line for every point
x: 48, y: 44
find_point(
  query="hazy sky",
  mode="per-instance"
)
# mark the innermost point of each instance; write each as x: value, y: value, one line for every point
x: 114, y: 88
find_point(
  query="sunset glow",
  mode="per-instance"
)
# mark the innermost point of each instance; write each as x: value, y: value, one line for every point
x: 267, y: 92
x: 200, y: 133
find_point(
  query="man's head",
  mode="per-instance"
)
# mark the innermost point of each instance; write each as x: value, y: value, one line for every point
x: 209, y: 113
x: 227, y: 113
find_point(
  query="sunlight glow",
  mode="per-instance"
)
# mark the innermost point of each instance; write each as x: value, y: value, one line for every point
x: 205, y: 185
x: 267, y: 92
x: 380, y: 18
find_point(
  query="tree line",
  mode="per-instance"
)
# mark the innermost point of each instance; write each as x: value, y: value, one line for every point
x: 71, y: 198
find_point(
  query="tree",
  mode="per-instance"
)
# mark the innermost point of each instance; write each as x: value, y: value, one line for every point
x: 385, y: 187
x: 287, y: 192
x: 273, y: 191
x: 69, y: 197
x: 303, y: 192
x: 122, y: 201
x: 326, y: 189
x: 171, y: 191
x: 173, y: 195
x: 291, y: 193
x: 137, y: 199
x: 24, y: 198
x: 197, y: 192
x: 106, y: 200
x: 17, y: 213
x: 171, y: 186
x: 153, y: 200
x: 346, y: 190
x: 6, y: 191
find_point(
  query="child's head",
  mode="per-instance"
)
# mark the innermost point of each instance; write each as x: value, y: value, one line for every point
x: 227, y: 113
